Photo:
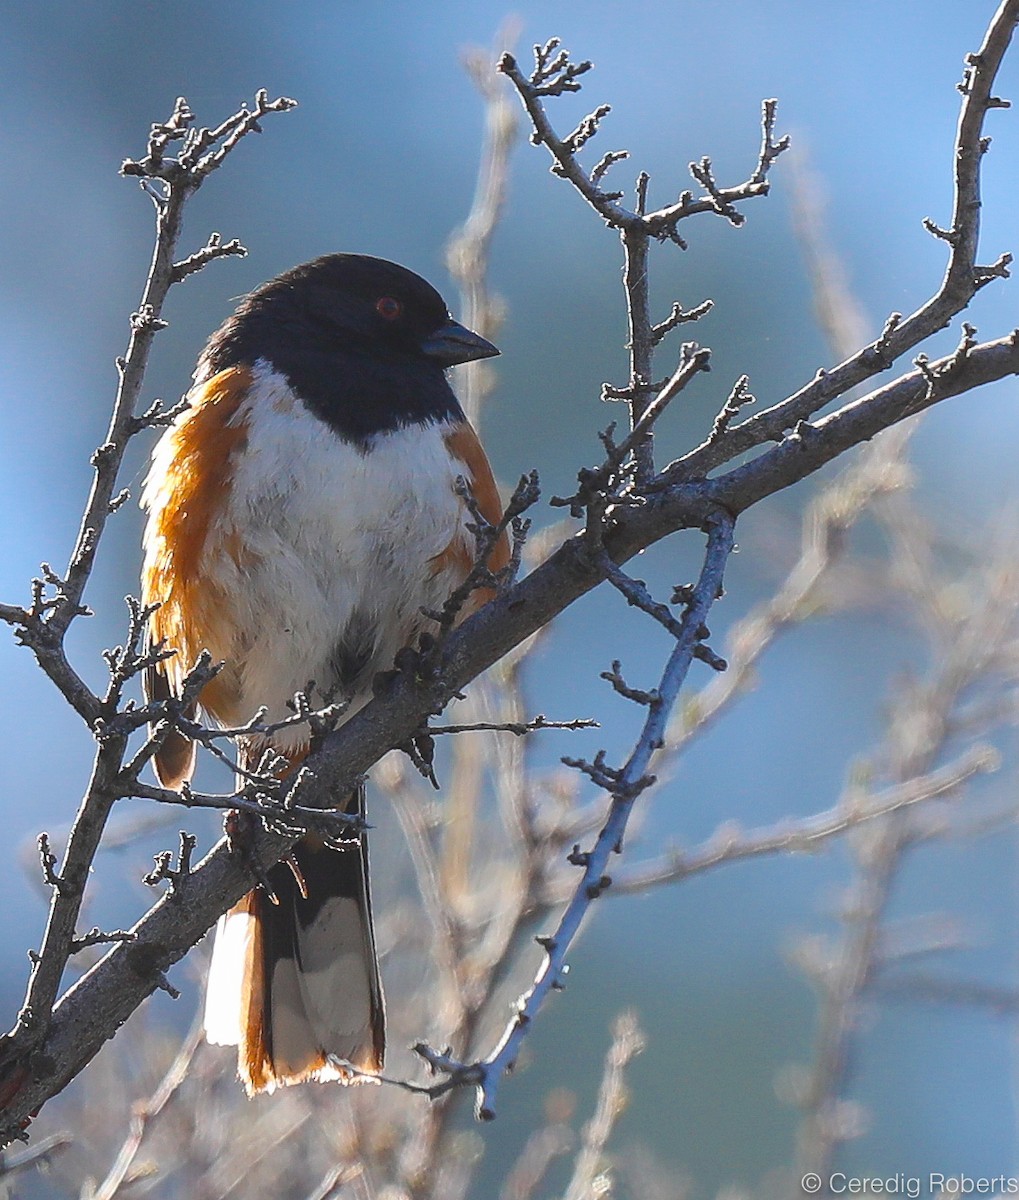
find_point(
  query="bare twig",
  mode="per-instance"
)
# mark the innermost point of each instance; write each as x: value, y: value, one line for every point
x: 39, y: 1155
x: 517, y: 728
x: 963, y: 276
x: 636, y: 227
x: 627, y: 1041
x: 145, y: 1113
x: 467, y: 251
x: 169, y: 182
x: 806, y: 835
x: 214, y: 248
x: 99, y: 937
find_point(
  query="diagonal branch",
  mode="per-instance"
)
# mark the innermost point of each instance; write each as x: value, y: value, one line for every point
x: 101, y: 1000
x: 963, y: 276
x: 626, y: 785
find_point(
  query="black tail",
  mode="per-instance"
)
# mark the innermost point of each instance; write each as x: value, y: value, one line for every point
x: 296, y: 984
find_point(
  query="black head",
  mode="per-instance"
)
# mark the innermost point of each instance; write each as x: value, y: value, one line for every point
x: 363, y: 342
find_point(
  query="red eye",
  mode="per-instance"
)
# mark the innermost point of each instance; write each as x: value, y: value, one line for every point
x: 388, y: 307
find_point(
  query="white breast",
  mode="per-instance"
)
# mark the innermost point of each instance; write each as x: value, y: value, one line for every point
x: 330, y: 536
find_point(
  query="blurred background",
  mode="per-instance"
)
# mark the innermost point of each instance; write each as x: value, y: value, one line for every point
x: 381, y: 158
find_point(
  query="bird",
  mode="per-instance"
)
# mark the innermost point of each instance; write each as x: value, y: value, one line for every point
x: 302, y: 511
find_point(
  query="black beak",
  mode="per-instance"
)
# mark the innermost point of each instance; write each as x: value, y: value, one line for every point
x: 454, y: 343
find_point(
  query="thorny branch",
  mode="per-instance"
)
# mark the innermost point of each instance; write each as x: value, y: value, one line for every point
x: 57, y: 600
x: 624, y: 785
x: 631, y: 505
x: 963, y: 278
x: 637, y: 227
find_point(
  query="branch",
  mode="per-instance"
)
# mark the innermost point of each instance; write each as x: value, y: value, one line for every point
x: 730, y: 844
x: 102, y: 999
x: 963, y: 276
x: 38, y: 1156
x: 809, y: 446
x: 627, y: 1042
x: 182, y: 177
x: 468, y: 249
x: 552, y: 79
x: 57, y: 600
x: 518, y: 728
x: 625, y: 785
x: 612, y: 482
x: 213, y: 249
x: 637, y: 227
x: 43, y: 1053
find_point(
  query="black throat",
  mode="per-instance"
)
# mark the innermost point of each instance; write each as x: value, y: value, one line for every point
x: 354, y: 391
x: 359, y: 396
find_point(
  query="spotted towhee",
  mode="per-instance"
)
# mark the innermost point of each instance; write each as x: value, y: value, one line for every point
x: 302, y: 512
